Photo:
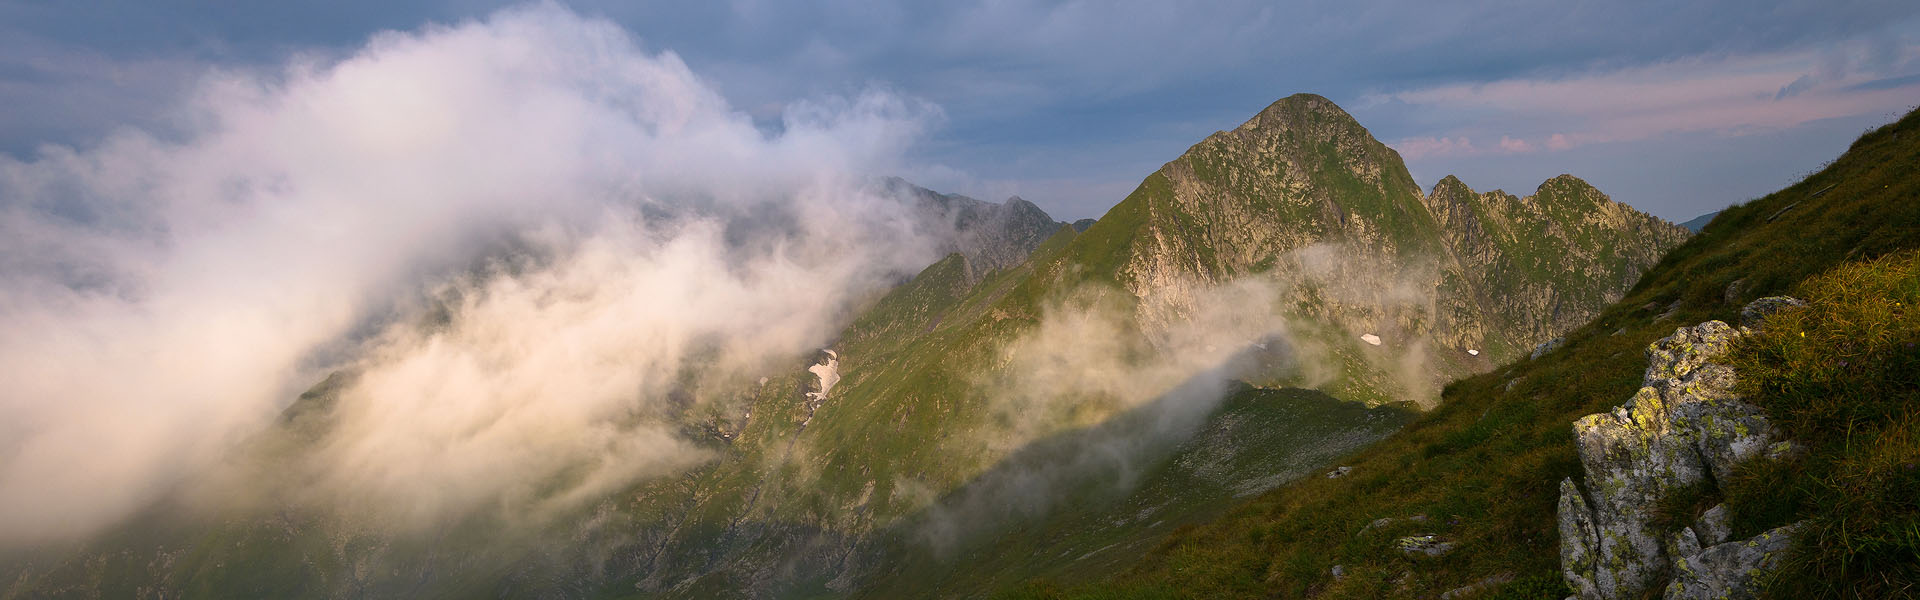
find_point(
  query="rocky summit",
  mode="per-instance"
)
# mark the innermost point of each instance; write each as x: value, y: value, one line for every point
x: 1304, y: 194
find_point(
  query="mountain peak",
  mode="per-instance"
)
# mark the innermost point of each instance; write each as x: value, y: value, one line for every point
x: 1565, y: 181
x: 1293, y: 112
x: 1450, y: 184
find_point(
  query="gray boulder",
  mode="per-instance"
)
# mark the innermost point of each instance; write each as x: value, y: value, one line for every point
x: 1728, y: 570
x: 1546, y: 346
x: 1427, y: 545
x: 1683, y: 427
x: 1713, y: 527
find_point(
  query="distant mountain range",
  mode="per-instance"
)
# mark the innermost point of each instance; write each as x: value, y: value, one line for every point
x: 1699, y: 223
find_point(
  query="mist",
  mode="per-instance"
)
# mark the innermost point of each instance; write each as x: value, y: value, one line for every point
x: 1107, y: 384
x: 519, y: 233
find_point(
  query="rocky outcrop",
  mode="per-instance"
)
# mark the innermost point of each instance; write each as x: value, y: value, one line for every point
x: 1547, y: 346
x: 1684, y: 427
x: 1759, y: 309
x: 991, y: 236
x: 1724, y: 570
x: 1423, y: 545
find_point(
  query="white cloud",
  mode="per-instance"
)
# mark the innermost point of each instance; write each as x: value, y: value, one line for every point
x: 164, y: 299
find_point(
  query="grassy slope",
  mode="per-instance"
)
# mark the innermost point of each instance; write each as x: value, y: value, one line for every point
x: 1484, y: 466
x: 1257, y: 439
x: 1842, y: 377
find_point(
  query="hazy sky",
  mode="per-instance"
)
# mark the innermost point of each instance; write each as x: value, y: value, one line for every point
x: 1676, y: 108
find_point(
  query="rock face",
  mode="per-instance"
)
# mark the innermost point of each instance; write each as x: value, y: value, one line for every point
x: 991, y: 236
x: 1304, y: 193
x: 1725, y: 570
x: 1684, y: 427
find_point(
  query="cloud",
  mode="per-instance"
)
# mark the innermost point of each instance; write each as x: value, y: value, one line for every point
x: 1057, y: 81
x: 1508, y: 144
x: 1422, y: 147
x: 1729, y: 95
x: 1108, y: 383
x: 1092, y: 396
x: 522, y: 233
x: 58, y: 92
x: 1425, y: 147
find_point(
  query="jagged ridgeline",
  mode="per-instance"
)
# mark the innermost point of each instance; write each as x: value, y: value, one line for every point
x: 1465, y: 502
x: 1046, y: 399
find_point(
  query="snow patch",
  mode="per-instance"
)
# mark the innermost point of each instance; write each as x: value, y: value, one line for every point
x: 1370, y: 338
x: 829, y: 374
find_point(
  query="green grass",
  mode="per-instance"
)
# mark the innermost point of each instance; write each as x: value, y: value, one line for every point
x: 1255, y: 435
x: 1843, y: 378
x: 1485, y: 465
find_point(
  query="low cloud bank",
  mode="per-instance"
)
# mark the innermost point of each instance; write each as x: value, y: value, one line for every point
x: 1107, y: 385
x: 522, y: 233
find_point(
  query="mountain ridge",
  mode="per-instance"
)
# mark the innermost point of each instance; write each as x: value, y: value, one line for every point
x: 1281, y: 241
x: 1476, y: 481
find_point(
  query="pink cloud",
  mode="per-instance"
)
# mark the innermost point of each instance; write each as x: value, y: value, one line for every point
x: 1729, y: 95
x: 1412, y: 148
x: 1514, y: 146
x: 1427, y: 147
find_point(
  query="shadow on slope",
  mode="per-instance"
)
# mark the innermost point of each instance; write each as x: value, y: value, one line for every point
x: 1086, y: 499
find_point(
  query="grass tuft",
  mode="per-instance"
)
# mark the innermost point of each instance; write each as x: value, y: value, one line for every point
x: 1842, y: 377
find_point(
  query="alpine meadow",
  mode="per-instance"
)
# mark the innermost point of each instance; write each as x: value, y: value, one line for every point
x: 648, y: 300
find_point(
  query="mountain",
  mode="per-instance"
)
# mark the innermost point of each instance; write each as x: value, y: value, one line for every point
x: 1046, y: 399
x: 1699, y: 223
x: 991, y: 236
x: 1469, y: 501
x: 1303, y: 193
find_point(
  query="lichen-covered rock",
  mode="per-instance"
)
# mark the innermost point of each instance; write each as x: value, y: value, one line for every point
x: 1713, y: 527
x: 1683, y: 426
x: 1546, y: 346
x: 1579, y: 542
x: 1728, y: 570
x: 1423, y: 544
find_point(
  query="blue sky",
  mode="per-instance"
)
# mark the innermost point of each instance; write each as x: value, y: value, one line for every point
x: 1676, y: 108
